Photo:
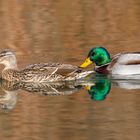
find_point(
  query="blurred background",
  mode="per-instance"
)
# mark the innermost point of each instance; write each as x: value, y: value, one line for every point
x: 64, y: 31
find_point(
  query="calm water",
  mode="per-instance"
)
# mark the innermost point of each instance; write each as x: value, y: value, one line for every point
x: 64, y: 31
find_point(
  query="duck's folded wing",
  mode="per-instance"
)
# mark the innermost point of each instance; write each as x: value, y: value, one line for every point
x: 52, y: 65
x: 48, y: 69
x: 125, y: 64
x: 129, y: 59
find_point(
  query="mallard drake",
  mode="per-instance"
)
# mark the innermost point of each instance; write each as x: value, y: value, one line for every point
x: 43, y: 72
x: 120, y: 64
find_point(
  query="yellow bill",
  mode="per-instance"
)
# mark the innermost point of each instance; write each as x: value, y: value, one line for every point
x: 88, y: 87
x: 86, y: 63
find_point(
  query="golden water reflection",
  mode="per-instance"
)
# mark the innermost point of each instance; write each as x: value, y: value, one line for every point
x: 98, y: 87
x: 64, y: 31
x: 74, y: 112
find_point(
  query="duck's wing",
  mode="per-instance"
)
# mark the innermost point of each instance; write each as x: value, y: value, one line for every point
x: 50, y: 68
x: 50, y: 65
x: 53, y: 72
x: 126, y: 59
x: 116, y: 56
x: 125, y: 64
x: 129, y: 58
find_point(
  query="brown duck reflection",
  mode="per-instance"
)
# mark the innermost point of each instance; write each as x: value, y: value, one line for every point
x: 9, y: 90
x: 98, y: 89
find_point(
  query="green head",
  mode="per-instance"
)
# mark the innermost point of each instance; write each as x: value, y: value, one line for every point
x: 97, y: 55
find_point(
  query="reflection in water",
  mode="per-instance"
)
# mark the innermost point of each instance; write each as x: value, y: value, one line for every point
x: 100, y: 90
x: 98, y: 87
x: 127, y: 84
x: 8, y: 100
x: 102, y: 84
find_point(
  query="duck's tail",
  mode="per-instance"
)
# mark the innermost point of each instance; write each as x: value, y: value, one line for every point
x: 80, y: 75
x: 83, y: 74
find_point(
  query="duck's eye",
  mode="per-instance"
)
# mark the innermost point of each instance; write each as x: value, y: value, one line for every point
x: 93, y: 54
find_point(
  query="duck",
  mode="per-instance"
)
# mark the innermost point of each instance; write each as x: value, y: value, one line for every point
x: 41, y: 72
x: 127, y: 63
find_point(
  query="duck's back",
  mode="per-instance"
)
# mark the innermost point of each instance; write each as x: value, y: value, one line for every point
x: 126, y: 64
x: 44, y: 72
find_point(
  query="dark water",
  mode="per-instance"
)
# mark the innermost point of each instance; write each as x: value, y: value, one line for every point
x: 64, y: 31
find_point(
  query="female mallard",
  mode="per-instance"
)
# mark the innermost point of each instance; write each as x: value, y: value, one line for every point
x: 43, y: 72
x: 120, y: 64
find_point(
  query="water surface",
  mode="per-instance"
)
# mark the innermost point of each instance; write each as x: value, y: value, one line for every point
x: 64, y: 31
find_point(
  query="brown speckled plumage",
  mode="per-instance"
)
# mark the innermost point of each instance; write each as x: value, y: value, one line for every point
x: 42, y: 72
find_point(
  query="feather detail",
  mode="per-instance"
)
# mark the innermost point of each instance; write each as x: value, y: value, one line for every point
x: 45, y: 73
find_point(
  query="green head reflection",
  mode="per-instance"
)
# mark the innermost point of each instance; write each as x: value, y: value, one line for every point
x: 100, y: 90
